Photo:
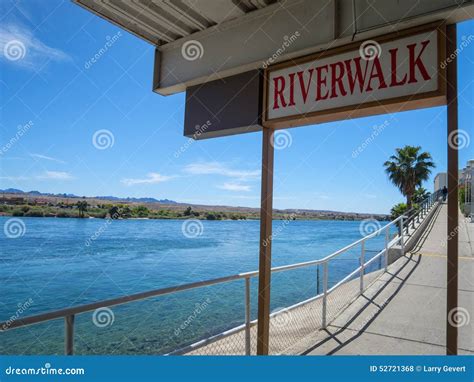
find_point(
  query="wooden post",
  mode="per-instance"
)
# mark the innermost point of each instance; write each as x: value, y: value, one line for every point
x: 453, y: 208
x: 265, y: 258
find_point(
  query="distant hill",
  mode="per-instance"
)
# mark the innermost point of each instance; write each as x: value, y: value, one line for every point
x: 137, y: 200
x: 114, y: 198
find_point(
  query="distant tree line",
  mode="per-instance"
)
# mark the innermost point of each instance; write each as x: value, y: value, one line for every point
x: 82, y: 209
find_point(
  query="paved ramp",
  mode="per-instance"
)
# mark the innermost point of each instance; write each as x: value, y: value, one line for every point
x: 404, y: 311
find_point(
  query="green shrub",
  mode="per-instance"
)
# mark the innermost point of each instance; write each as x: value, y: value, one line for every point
x: 210, y: 216
x: 35, y: 213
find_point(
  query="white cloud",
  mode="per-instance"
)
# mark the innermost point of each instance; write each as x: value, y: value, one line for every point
x: 19, y: 46
x: 45, y: 157
x: 14, y: 178
x: 152, y: 178
x: 216, y: 168
x: 55, y: 175
x: 235, y: 187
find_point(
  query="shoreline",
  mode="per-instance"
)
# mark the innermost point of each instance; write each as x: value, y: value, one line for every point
x: 181, y: 218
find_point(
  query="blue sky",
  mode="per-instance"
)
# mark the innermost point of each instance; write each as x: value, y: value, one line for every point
x: 61, y: 103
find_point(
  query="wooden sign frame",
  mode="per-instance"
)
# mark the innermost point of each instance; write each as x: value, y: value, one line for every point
x: 390, y: 105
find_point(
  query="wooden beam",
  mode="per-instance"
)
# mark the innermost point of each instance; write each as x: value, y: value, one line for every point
x: 265, y: 258
x: 453, y: 208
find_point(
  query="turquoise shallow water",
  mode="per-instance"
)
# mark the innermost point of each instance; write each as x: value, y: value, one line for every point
x: 66, y: 262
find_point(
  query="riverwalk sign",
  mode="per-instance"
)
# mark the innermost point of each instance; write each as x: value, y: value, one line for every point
x: 391, y: 73
x: 394, y: 72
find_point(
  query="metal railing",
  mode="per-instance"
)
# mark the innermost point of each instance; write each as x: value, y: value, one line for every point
x: 419, y: 212
x: 69, y: 314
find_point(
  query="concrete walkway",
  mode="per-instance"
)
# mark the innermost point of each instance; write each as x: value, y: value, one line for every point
x: 404, y: 311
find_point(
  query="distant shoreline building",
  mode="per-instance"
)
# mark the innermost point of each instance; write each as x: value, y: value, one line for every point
x: 466, y: 183
x: 466, y: 186
x: 440, y: 180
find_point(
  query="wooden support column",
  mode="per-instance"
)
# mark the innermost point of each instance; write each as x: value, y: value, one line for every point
x: 453, y: 208
x: 265, y: 257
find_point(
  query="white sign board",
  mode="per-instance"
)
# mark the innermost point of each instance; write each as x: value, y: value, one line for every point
x: 390, y: 73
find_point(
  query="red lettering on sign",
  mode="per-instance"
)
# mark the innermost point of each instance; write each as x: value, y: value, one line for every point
x: 320, y: 81
x: 352, y: 75
x: 393, y: 65
x: 278, y: 93
x: 292, y: 89
x: 417, y: 62
x: 305, y: 88
x: 336, y: 79
x: 352, y: 79
x: 376, y: 73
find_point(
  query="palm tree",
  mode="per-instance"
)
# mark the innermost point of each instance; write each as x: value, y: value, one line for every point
x: 398, y: 210
x: 408, y: 169
x: 82, y: 207
x: 420, y: 194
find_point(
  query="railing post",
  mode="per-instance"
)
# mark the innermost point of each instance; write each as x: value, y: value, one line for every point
x: 317, y: 280
x: 325, y: 293
x: 387, y: 238
x: 402, y: 238
x: 247, y: 316
x: 362, y: 262
x: 69, y: 335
